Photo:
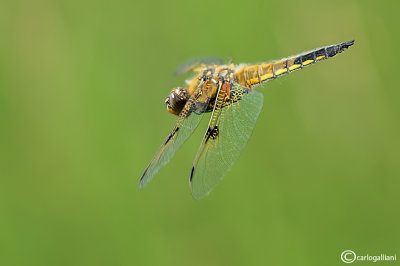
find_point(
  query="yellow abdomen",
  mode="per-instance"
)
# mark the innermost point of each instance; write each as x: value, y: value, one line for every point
x: 251, y: 75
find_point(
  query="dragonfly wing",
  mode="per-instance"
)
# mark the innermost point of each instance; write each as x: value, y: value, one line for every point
x: 197, y: 64
x: 187, y: 122
x: 216, y: 155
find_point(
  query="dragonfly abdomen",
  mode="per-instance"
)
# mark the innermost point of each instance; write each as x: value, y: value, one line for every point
x: 255, y: 74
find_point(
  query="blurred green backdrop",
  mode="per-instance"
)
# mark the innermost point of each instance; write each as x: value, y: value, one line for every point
x: 81, y: 90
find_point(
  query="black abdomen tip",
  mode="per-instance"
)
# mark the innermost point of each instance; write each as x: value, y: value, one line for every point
x: 346, y: 45
x: 338, y: 48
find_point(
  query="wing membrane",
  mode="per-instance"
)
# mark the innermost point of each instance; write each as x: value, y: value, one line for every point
x: 216, y: 155
x: 197, y: 64
x: 187, y: 122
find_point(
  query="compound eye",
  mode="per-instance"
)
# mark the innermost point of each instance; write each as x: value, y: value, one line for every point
x: 176, y: 100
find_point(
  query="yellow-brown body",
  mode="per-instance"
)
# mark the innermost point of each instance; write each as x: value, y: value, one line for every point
x: 227, y: 91
x: 210, y: 77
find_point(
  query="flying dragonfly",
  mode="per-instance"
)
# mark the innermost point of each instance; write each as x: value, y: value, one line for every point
x: 228, y: 91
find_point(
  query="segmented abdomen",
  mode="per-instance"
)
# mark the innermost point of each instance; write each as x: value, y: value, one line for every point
x: 255, y: 74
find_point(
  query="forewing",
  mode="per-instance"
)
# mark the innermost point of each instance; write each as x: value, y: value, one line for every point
x: 217, y: 155
x: 197, y: 64
x: 187, y: 122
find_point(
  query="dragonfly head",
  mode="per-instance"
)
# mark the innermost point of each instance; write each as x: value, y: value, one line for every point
x: 176, y: 100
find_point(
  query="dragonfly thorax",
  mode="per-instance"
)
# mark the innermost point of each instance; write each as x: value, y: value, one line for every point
x: 176, y: 100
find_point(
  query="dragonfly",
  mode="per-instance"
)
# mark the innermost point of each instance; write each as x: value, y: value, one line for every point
x: 229, y: 92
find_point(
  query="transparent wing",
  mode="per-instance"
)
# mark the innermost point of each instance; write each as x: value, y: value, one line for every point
x: 197, y: 64
x: 187, y: 122
x: 218, y: 153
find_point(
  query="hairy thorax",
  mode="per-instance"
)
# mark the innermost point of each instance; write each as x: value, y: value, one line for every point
x: 204, y: 86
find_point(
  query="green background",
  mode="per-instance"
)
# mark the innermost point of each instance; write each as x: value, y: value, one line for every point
x: 82, y: 85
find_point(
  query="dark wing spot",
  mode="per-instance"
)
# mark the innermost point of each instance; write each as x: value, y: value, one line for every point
x: 212, y: 133
x: 191, y: 174
x: 169, y: 137
x: 144, y: 173
x: 208, y: 134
